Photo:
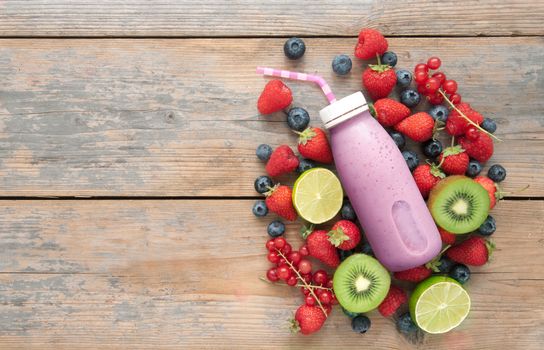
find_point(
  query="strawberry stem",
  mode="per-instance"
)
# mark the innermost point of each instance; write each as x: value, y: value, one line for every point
x: 465, y: 117
x: 452, y: 141
x: 306, y: 285
x: 379, y: 59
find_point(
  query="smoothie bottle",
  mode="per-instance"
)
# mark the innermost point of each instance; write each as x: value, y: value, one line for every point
x: 381, y: 189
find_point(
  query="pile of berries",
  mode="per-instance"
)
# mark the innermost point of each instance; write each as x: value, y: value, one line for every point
x: 471, y: 147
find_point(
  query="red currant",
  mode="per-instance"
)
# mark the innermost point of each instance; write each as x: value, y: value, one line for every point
x: 272, y: 274
x: 440, y: 76
x: 304, y: 250
x: 279, y: 242
x: 422, y: 67
x: 450, y: 86
x: 455, y: 99
x: 307, y: 277
x: 291, y: 281
x: 432, y: 84
x: 420, y: 76
x: 273, y: 257
x: 305, y: 290
x: 309, y: 300
x: 328, y: 308
x: 472, y: 133
x: 329, y: 284
x: 318, y: 291
x: 325, y: 297
x: 294, y: 257
x: 284, y: 272
x: 334, y: 301
x: 304, y: 266
x: 320, y: 277
x: 434, y: 63
x: 436, y: 98
x: 270, y: 245
x: 286, y: 249
x: 422, y: 89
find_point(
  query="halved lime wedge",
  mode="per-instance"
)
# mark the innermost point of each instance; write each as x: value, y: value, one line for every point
x: 317, y: 195
x: 439, y: 304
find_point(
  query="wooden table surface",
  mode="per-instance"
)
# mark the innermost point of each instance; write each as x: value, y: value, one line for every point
x: 127, y: 138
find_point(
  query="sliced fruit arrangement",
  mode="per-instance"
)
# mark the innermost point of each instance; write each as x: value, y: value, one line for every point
x: 459, y: 196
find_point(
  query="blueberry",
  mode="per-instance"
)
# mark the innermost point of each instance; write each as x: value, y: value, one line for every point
x: 445, y: 264
x: 341, y: 64
x: 405, y: 324
x: 432, y: 148
x: 360, y: 324
x: 294, y: 48
x: 298, y: 119
x: 276, y: 228
x: 349, y: 313
x: 263, y: 152
x: 347, y: 212
x: 260, y: 209
x: 497, y: 173
x: 399, y: 139
x: 410, y: 98
x: 489, y: 125
x: 344, y: 254
x: 390, y: 58
x: 304, y: 164
x: 440, y: 112
x: 460, y: 273
x: 404, y: 78
x: 411, y: 159
x: 488, y: 227
x: 263, y: 184
x: 474, y: 168
x: 367, y: 249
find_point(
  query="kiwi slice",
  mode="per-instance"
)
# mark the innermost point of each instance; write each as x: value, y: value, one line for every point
x: 360, y: 283
x: 459, y: 204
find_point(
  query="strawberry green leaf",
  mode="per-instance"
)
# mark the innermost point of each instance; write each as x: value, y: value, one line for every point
x: 306, y: 230
x: 337, y: 237
x: 306, y: 136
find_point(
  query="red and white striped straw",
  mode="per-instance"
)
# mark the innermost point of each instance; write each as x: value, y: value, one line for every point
x: 300, y: 76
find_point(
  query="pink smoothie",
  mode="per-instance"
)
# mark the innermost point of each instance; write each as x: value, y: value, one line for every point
x: 380, y: 187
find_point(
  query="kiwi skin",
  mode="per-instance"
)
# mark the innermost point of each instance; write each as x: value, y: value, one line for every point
x: 437, y: 189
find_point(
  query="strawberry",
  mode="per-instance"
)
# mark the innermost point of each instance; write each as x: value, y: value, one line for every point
x: 491, y: 189
x: 371, y: 43
x: 480, y: 149
x: 313, y: 144
x: 394, y: 299
x: 448, y: 238
x: 344, y: 235
x: 456, y: 125
x: 426, y: 176
x: 415, y: 274
x: 474, y: 251
x: 389, y: 112
x: 454, y: 160
x: 282, y: 161
x: 419, y: 127
x: 308, y: 320
x: 279, y: 201
x: 379, y: 80
x: 321, y: 248
x: 275, y: 97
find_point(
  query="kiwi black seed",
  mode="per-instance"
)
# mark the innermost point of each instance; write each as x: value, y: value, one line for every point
x: 361, y: 283
x: 459, y: 204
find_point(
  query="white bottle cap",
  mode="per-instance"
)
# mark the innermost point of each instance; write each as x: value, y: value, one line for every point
x: 343, y: 109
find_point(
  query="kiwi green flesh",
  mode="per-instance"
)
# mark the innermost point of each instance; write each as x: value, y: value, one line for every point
x: 460, y: 206
x: 361, y: 283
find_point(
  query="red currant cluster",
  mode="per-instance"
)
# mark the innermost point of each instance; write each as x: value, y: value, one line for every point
x: 430, y: 85
x: 293, y: 267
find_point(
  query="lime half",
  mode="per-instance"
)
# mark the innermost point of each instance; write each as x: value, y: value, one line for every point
x: 317, y: 195
x: 439, y: 304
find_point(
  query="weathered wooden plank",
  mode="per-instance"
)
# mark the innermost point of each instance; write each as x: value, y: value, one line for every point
x: 261, y: 18
x: 178, y: 118
x: 83, y: 274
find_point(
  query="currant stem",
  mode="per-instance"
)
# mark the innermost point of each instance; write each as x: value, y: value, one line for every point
x: 303, y: 281
x: 296, y: 285
x: 465, y: 117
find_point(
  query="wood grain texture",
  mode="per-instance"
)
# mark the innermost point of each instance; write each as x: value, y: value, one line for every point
x: 182, y: 273
x: 268, y: 18
x: 177, y: 117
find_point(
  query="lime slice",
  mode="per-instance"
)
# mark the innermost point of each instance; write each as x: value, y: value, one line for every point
x: 317, y: 195
x: 439, y: 304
